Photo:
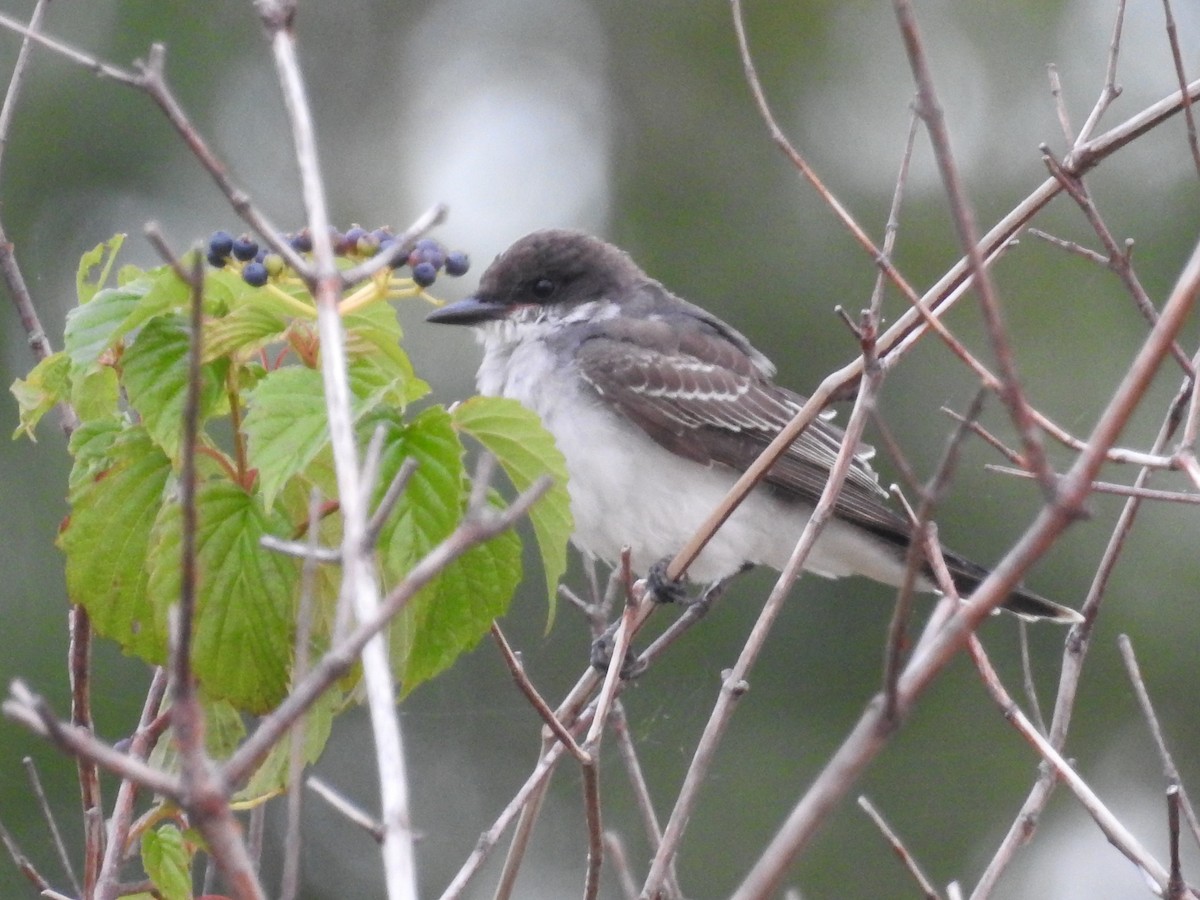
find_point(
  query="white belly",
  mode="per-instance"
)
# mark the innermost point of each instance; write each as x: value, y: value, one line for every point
x: 626, y: 490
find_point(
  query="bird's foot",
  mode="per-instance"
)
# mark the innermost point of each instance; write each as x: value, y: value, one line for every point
x: 663, y: 589
x: 602, y: 651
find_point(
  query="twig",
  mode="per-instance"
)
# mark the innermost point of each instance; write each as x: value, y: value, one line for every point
x: 18, y: 290
x: 359, y: 581
x: 1027, y: 680
x: 734, y: 683
x: 517, y: 671
x: 1177, y: 58
x: 32, y: 711
x: 1119, y: 260
x: 35, y: 784
x: 290, y: 879
x: 1122, y: 490
x: 1177, y: 888
x: 340, y: 658
x: 641, y: 792
x: 345, y: 807
x: 929, y: 108
x: 140, y: 745
x: 870, y: 734
x: 906, y: 858
x: 620, y: 862
x: 1074, y: 654
x: 22, y: 862
x: 1170, y: 770
x: 1117, y: 834
x: 1111, y: 90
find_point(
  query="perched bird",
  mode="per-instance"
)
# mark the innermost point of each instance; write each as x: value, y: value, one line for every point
x: 658, y: 406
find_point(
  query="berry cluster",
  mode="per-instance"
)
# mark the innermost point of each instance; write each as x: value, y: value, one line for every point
x: 259, y: 266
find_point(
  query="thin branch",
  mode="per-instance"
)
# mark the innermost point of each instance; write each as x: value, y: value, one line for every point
x: 32, y: 711
x: 149, y: 730
x: 871, y: 732
x: 22, y: 862
x: 734, y: 683
x: 359, y: 582
x: 517, y: 670
x: 345, y: 808
x: 1121, y: 490
x: 902, y: 853
x: 1170, y: 770
x: 1118, y: 835
x: 930, y: 110
x: 1181, y: 76
x: 341, y: 658
x: 35, y: 784
x: 1111, y: 90
x: 1074, y: 654
x: 290, y: 879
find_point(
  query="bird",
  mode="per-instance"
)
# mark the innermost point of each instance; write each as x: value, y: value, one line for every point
x: 657, y: 406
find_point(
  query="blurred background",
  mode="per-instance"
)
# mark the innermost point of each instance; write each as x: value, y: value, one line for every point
x: 633, y: 120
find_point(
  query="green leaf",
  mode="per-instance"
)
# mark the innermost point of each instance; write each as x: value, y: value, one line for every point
x: 95, y: 394
x: 373, y: 336
x: 244, y: 330
x: 451, y: 614
x: 286, y: 427
x: 107, y: 538
x: 168, y: 862
x: 91, y: 446
x: 242, y: 644
x: 46, y: 385
x: 471, y: 593
x: 113, y: 313
x: 272, y: 776
x: 156, y: 376
x: 94, y: 267
x: 526, y: 451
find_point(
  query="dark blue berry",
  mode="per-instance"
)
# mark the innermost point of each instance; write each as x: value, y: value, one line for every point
x: 217, y: 262
x: 457, y: 263
x: 424, y: 274
x: 220, y: 244
x: 255, y: 274
x: 427, y: 244
x: 244, y: 248
x: 301, y: 241
x: 383, y: 234
x: 261, y: 254
x: 353, y: 233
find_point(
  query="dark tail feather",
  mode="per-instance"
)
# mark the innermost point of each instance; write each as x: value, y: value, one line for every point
x: 968, y: 575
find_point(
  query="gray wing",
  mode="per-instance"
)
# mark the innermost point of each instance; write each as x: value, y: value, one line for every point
x: 700, y: 396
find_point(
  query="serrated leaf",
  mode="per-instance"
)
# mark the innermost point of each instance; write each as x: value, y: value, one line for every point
x: 373, y: 336
x: 242, y: 644
x: 94, y: 267
x: 473, y: 591
x: 451, y: 614
x: 245, y: 329
x: 46, y: 385
x: 91, y: 446
x: 286, y: 426
x: 107, y: 538
x: 156, y: 376
x: 271, y: 778
x: 167, y: 862
x: 95, y: 394
x: 526, y: 451
x: 113, y: 313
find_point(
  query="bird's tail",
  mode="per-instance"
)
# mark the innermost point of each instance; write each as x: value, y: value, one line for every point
x: 1026, y: 604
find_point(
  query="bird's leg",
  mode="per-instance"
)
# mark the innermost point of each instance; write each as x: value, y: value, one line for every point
x: 662, y: 589
x: 694, y: 610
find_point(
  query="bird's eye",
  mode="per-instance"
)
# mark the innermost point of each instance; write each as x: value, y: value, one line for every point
x: 543, y: 288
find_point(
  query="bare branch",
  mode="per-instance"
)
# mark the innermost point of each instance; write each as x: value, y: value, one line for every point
x: 345, y: 807
x: 906, y: 858
x: 35, y: 784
